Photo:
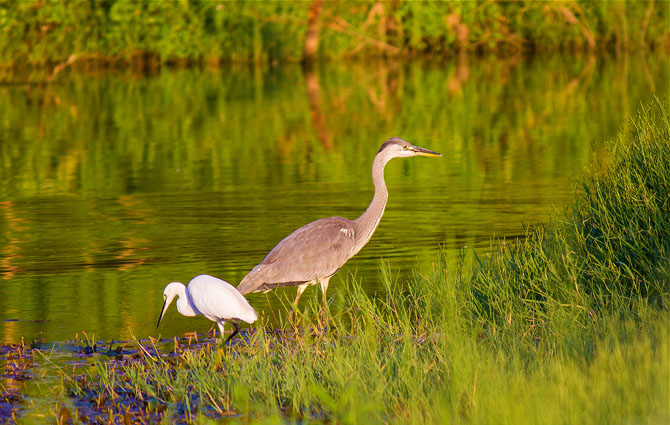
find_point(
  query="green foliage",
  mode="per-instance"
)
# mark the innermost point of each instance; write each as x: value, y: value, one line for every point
x: 43, y: 32
x: 622, y: 223
x: 561, y: 328
x: 609, y: 253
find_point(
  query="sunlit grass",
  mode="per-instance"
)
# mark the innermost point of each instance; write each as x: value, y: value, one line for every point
x: 387, y: 370
x: 570, y: 325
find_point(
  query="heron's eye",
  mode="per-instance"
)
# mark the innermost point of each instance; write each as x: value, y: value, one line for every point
x: 405, y: 148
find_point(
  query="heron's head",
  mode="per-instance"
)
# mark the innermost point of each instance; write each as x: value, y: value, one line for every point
x: 172, y: 290
x: 396, y: 147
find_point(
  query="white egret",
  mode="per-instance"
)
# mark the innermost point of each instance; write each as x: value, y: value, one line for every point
x: 214, y: 298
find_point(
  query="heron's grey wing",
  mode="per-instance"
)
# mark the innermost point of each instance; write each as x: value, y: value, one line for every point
x: 217, y: 300
x: 316, y: 250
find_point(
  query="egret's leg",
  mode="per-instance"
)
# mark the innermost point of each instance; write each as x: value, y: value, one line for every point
x: 237, y: 330
x: 221, y: 323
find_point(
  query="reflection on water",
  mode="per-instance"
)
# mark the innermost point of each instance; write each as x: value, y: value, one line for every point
x: 114, y: 184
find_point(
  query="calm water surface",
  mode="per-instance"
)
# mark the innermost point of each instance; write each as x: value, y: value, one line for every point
x: 114, y: 184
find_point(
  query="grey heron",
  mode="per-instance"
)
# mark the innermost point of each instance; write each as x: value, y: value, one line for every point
x: 214, y: 298
x: 316, y: 251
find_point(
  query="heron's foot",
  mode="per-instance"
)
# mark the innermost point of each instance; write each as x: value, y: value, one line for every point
x: 323, y: 319
x: 293, y: 319
x: 290, y: 319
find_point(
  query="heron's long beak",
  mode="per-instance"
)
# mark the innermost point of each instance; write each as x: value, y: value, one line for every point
x: 162, y: 313
x: 424, y: 152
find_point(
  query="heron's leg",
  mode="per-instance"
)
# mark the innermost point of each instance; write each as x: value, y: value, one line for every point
x: 237, y: 330
x: 301, y: 289
x: 324, y: 287
x: 324, y: 310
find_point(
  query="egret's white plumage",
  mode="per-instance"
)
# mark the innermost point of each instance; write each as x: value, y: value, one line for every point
x: 211, y: 297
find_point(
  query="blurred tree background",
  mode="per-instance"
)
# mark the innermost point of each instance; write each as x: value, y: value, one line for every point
x: 186, y: 32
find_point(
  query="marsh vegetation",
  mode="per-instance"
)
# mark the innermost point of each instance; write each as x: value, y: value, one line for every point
x: 145, y: 142
x: 568, y: 324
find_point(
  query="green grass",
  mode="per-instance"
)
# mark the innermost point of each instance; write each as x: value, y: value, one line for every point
x: 48, y: 32
x: 568, y: 325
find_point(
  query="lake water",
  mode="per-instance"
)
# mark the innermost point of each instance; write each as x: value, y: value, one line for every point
x: 113, y: 184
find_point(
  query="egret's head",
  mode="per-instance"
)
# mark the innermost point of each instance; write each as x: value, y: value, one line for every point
x: 169, y: 294
x: 396, y: 147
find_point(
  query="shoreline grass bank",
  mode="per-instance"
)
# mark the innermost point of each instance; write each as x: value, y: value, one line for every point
x: 145, y: 32
x: 569, y: 325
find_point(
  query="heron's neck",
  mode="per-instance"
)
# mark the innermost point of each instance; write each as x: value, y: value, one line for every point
x: 366, y: 224
x: 184, y: 304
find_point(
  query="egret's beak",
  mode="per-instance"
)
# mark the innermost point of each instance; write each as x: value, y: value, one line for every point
x: 162, y: 313
x: 424, y: 152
